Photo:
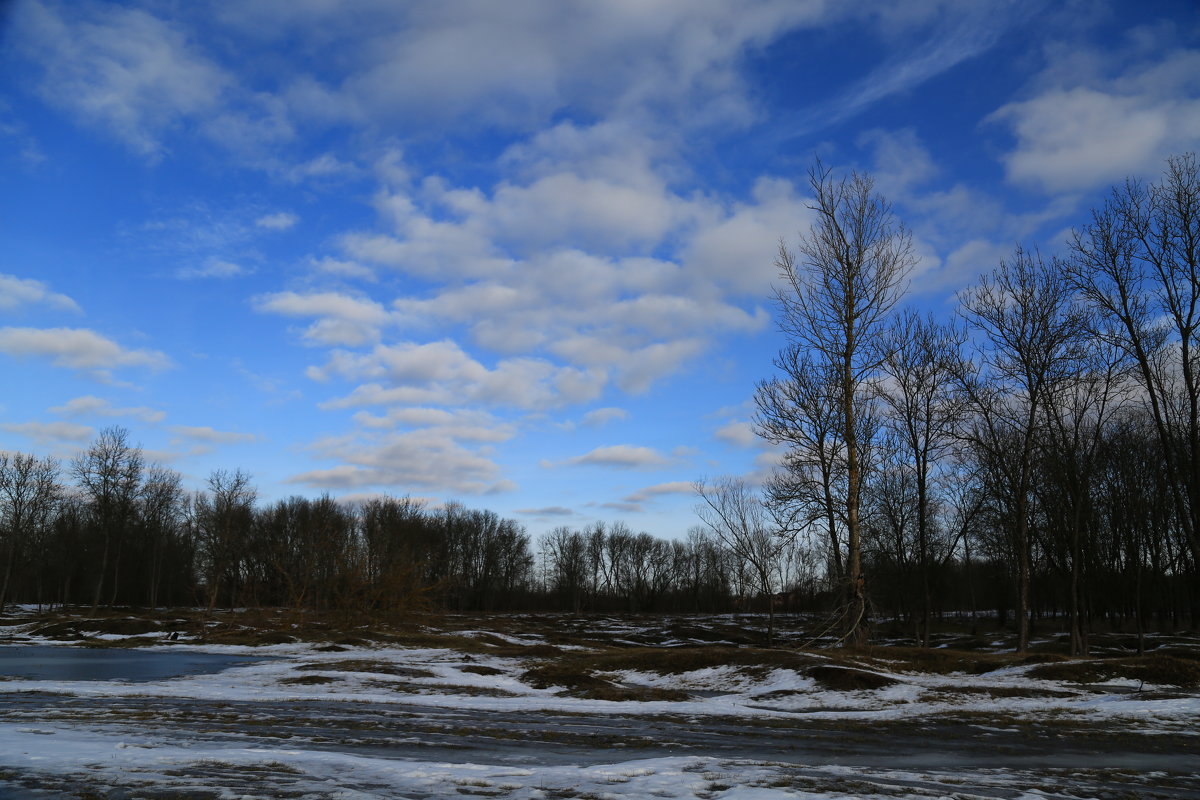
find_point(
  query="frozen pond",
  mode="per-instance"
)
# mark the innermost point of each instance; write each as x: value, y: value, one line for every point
x: 50, y: 663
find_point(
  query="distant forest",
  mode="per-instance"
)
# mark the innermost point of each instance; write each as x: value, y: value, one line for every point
x: 1037, y: 454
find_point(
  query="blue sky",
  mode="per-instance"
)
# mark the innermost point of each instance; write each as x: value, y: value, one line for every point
x: 517, y: 254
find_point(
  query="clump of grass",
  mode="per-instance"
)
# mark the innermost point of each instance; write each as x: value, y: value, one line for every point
x: 678, y: 660
x: 582, y: 684
x: 481, y: 669
x: 929, y: 659
x: 1158, y: 669
x: 1006, y: 691
x: 309, y: 680
x: 368, y: 666
x: 407, y: 687
x: 248, y: 636
x: 842, y: 679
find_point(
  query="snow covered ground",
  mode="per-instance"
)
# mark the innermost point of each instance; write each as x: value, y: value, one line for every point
x: 308, y: 720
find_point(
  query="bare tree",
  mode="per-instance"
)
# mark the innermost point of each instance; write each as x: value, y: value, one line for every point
x: 1138, y: 265
x: 1033, y: 340
x: 733, y: 511
x: 838, y: 291
x: 110, y: 473
x: 924, y: 412
x: 223, y: 518
x: 801, y: 412
x: 28, y: 490
x: 161, y: 502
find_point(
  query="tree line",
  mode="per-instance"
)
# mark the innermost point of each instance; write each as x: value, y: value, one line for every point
x: 108, y: 529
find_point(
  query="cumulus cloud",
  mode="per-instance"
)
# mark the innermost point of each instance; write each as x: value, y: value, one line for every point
x: 51, y: 432
x: 16, y: 292
x: 342, y: 319
x: 92, y: 406
x: 661, y: 489
x: 602, y: 416
x: 1084, y: 130
x: 208, y: 435
x: 736, y: 247
x: 122, y: 69
x: 443, y: 373
x: 622, y: 456
x: 548, y: 511
x: 77, y: 348
x: 738, y: 433
x: 279, y: 221
x: 213, y: 268
x: 515, y: 64
x: 531, y: 273
x: 427, y: 459
x: 461, y: 424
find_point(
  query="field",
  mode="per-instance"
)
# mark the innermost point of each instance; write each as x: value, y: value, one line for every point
x: 565, y: 706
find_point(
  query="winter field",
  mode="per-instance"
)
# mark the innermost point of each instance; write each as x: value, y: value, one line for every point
x: 260, y: 705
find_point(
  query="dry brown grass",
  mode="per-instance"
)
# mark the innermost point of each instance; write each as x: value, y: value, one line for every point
x: 370, y: 666
x: 309, y: 680
x: 581, y: 683
x: 1161, y: 670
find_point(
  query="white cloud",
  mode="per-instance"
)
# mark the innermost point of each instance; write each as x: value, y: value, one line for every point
x: 16, y: 292
x: 324, y: 166
x: 120, y: 68
x: 424, y: 459
x: 736, y: 248
x: 343, y: 268
x: 443, y: 373
x: 548, y: 511
x: 738, y: 433
x: 213, y: 268
x: 208, y: 435
x: 901, y: 160
x: 623, y: 456
x: 602, y: 416
x: 460, y: 424
x: 51, y: 432
x: 959, y: 31
x: 90, y: 405
x: 279, y: 221
x: 343, y: 320
x: 661, y: 489
x: 77, y: 348
x: 517, y: 63
x: 499, y: 266
x: 1085, y: 130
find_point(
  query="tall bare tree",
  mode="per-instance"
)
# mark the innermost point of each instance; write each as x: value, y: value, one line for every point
x: 1138, y: 265
x: 801, y: 412
x: 924, y: 412
x: 28, y: 490
x: 735, y: 513
x: 1032, y: 342
x: 160, y: 505
x: 110, y: 473
x: 223, y: 517
x: 838, y: 290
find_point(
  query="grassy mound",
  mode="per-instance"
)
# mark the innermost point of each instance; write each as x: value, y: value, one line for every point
x: 1160, y: 670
